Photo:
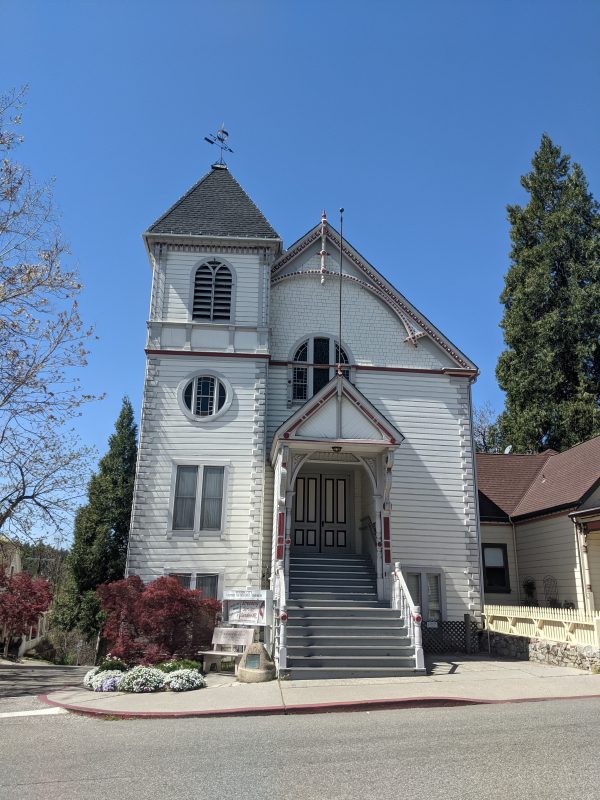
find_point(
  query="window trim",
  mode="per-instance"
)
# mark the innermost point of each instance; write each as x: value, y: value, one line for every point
x: 310, y: 365
x: 195, y: 572
x: 504, y: 548
x: 196, y: 532
x: 199, y: 373
x: 425, y: 570
x: 232, y: 307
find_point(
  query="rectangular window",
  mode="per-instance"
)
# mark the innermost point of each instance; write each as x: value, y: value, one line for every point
x: 426, y: 591
x: 212, y: 498
x: 495, y: 568
x: 208, y: 585
x: 184, y: 506
x: 183, y: 578
x: 300, y: 383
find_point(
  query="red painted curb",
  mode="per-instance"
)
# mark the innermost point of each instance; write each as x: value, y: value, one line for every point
x: 311, y: 708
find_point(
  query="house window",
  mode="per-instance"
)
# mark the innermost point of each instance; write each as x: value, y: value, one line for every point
x: 426, y: 591
x: 205, y: 396
x: 193, y: 482
x: 184, y: 506
x: 212, y: 499
x: 208, y: 584
x: 495, y: 568
x: 183, y: 578
x: 314, y: 364
x: 213, y: 283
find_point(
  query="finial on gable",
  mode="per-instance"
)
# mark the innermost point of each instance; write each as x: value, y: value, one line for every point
x: 323, y: 251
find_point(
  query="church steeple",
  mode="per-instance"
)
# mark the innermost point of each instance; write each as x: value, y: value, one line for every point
x: 215, y: 206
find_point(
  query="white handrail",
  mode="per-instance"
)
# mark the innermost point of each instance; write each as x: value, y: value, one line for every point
x: 280, y: 617
x: 411, y: 613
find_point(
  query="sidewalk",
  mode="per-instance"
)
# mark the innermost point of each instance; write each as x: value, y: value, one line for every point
x: 463, y: 681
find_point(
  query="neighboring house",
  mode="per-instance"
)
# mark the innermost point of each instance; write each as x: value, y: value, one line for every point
x: 263, y: 440
x: 540, y: 527
x: 10, y: 556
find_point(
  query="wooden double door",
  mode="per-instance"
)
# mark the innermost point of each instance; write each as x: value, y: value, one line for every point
x: 321, y: 514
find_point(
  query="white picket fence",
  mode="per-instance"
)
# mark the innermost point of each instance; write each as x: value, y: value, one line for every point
x: 555, y: 624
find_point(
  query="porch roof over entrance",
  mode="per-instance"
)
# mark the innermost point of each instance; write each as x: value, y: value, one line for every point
x: 338, y: 415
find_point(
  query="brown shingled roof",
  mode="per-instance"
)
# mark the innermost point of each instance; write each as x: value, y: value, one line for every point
x: 502, y: 481
x: 521, y: 485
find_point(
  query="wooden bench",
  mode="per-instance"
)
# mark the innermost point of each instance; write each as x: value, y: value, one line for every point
x: 231, y: 638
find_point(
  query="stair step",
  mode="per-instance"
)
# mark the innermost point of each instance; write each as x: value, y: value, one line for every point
x: 338, y: 613
x: 340, y: 673
x: 335, y: 595
x: 334, y: 580
x: 352, y: 631
x: 351, y: 661
x: 348, y: 652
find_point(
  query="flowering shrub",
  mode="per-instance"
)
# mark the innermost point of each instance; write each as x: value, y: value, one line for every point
x: 112, y: 663
x: 183, y: 680
x: 142, y: 679
x: 107, y: 680
x: 87, y: 680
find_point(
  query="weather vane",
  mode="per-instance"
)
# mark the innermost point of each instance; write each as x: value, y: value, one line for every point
x: 220, y: 139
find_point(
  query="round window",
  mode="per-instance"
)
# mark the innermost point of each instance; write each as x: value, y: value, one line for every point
x: 204, y: 396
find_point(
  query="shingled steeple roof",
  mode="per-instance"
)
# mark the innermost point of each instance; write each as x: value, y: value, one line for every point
x: 215, y: 206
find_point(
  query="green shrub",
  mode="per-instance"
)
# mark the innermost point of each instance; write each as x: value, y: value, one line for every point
x: 112, y: 664
x: 183, y: 663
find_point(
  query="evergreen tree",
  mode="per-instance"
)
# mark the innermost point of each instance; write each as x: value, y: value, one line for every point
x: 101, y: 527
x: 550, y: 370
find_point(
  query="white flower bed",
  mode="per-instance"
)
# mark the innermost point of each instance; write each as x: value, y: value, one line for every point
x: 87, y: 680
x: 142, y: 679
x: 106, y: 681
x: 184, y: 680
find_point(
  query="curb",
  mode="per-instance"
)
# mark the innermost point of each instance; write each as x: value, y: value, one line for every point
x: 312, y: 708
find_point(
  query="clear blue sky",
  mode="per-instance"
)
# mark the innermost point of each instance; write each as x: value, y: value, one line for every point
x: 418, y: 117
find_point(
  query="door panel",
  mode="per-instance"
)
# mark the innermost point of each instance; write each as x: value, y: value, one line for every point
x: 320, y: 514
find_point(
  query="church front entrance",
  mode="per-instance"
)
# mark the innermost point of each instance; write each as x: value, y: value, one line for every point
x: 321, y: 514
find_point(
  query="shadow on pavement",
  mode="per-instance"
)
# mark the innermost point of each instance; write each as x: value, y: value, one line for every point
x: 24, y: 679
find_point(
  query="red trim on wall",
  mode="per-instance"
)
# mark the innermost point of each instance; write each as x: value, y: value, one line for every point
x: 280, y: 532
x: 387, y: 552
x: 265, y: 356
x: 371, y: 368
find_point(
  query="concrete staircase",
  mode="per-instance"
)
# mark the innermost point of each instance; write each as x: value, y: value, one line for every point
x: 336, y: 626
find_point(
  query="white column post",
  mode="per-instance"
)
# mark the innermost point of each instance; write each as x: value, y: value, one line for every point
x: 378, y: 503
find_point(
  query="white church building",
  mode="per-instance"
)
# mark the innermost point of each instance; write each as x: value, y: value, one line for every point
x: 274, y: 456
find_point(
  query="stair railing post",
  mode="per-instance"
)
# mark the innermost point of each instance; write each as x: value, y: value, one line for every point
x: 418, y: 633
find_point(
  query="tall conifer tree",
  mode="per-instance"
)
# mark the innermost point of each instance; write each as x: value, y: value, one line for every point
x: 550, y: 370
x: 101, y: 527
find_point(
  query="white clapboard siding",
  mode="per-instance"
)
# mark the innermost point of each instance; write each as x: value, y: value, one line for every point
x: 168, y: 435
x: 430, y: 525
x: 503, y: 534
x: 371, y: 331
x: 180, y: 267
x: 548, y: 546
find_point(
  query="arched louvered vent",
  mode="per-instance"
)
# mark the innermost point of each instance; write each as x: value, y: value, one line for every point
x: 212, y: 292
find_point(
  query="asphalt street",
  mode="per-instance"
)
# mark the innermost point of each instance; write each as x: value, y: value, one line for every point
x: 508, y: 751
x: 24, y: 680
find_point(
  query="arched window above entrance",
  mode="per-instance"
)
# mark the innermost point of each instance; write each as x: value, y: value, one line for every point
x: 313, y: 365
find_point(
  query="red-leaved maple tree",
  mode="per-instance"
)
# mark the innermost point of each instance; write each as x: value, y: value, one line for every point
x: 22, y: 600
x: 148, y: 623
